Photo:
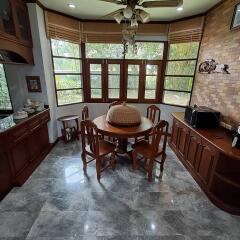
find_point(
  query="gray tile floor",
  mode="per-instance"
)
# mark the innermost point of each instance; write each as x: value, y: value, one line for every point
x: 58, y: 202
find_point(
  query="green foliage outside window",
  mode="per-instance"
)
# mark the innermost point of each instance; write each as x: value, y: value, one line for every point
x: 5, y: 101
x: 68, y: 72
x: 181, y: 62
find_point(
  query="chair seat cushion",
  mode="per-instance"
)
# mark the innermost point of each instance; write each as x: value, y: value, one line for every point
x: 105, y: 147
x: 145, y: 149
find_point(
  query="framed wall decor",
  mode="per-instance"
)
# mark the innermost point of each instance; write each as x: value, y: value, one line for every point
x: 236, y: 17
x: 33, y: 83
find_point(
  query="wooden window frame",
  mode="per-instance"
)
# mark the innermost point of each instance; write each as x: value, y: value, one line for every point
x: 81, y: 74
x: 170, y: 75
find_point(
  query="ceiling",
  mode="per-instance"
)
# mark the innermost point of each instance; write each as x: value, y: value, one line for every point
x: 95, y: 9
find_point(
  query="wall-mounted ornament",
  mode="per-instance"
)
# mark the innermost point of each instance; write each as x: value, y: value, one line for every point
x: 33, y: 83
x: 211, y: 66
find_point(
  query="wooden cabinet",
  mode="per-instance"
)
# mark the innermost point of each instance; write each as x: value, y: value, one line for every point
x: 15, y: 31
x: 23, y: 147
x: 213, y: 163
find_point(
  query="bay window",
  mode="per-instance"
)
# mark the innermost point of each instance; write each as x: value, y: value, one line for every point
x: 180, y: 72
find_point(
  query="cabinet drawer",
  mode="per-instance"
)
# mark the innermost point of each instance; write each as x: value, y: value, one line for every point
x: 45, y: 118
x: 20, y: 133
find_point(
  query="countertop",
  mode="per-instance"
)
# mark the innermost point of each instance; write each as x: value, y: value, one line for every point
x: 8, y: 123
x: 219, y: 137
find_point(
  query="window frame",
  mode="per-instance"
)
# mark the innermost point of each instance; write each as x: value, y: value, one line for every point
x: 7, y: 111
x: 170, y: 75
x: 81, y: 74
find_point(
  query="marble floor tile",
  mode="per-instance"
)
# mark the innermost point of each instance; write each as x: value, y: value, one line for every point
x: 60, y: 202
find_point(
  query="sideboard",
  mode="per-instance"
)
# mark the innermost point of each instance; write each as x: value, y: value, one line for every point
x: 213, y: 163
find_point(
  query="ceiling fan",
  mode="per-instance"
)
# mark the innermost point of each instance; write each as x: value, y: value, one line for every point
x: 134, y: 14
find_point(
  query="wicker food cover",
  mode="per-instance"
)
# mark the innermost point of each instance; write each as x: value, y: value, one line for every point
x: 124, y: 115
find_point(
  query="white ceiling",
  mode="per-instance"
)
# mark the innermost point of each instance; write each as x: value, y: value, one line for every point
x: 95, y: 9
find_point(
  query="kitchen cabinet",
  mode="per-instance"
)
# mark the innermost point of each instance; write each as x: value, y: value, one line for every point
x: 23, y: 146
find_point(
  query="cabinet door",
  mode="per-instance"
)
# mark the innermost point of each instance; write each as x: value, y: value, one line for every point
x: 183, y: 134
x: 193, y: 147
x: 208, y: 155
x: 20, y: 156
x: 6, y: 17
x: 174, y: 136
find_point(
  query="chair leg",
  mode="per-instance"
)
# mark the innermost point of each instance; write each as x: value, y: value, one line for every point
x: 113, y: 161
x: 162, y: 162
x: 84, y: 162
x: 134, y: 160
x: 150, y: 169
x: 98, y: 168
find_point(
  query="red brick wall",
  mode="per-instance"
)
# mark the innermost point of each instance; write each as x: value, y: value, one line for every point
x: 217, y: 90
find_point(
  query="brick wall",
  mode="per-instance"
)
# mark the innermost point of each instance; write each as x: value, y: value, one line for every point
x: 220, y: 91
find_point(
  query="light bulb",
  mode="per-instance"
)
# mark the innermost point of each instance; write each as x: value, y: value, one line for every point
x: 128, y: 12
x: 144, y: 16
x: 118, y: 17
x: 134, y: 22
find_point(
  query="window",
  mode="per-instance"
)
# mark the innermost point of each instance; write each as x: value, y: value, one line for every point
x: 110, y: 78
x: 5, y: 101
x: 68, y: 72
x: 180, y: 71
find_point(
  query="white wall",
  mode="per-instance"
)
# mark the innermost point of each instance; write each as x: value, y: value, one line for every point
x: 97, y: 109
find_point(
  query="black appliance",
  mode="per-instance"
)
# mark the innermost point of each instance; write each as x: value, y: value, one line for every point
x: 236, y: 138
x: 202, y: 117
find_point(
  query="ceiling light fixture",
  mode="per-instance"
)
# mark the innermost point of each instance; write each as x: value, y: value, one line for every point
x: 71, y: 5
x: 128, y: 12
x: 179, y: 9
x: 119, y: 17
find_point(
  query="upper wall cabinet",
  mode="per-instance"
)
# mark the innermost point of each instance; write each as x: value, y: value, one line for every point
x: 15, y: 33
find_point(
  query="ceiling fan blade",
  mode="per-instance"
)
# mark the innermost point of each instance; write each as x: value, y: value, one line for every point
x: 168, y: 3
x: 112, y: 14
x: 113, y: 1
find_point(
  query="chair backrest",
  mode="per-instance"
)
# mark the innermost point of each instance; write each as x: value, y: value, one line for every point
x: 115, y: 103
x: 85, y: 113
x: 159, y: 131
x: 90, y: 133
x: 153, y: 113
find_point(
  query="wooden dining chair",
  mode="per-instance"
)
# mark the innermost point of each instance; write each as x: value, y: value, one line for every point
x: 151, y: 150
x: 153, y: 114
x: 85, y: 113
x: 96, y: 148
x: 115, y: 103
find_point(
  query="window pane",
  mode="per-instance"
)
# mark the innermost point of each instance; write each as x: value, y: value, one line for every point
x: 5, y: 102
x: 96, y: 81
x: 95, y: 68
x: 146, y: 50
x: 178, y: 83
x: 133, y: 81
x: 132, y: 94
x: 103, y: 50
x: 181, y: 68
x: 176, y: 98
x: 65, y: 49
x: 68, y: 81
x: 69, y: 96
x: 151, y: 82
x: 114, y: 81
x: 133, y: 69
x: 183, y: 50
x: 151, y: 69
x: 63, y: 65
x: 150, y: 94
x: 96, y: 93
x: 113, y: 93
x: 114, y: 68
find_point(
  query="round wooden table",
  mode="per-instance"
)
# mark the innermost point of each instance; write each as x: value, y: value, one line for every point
x: 123, y: 133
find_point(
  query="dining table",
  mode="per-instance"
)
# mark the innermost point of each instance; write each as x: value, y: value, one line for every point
x: 123, y: 133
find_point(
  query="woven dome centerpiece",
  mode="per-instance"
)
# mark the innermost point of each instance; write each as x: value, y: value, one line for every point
x: 124, y: 115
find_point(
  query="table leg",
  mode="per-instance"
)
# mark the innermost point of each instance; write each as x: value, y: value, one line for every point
x: 122, y: 144
x: 77, y: 131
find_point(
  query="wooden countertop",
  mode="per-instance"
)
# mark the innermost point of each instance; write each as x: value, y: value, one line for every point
x: 9, y: 123
x: 220, y: 137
